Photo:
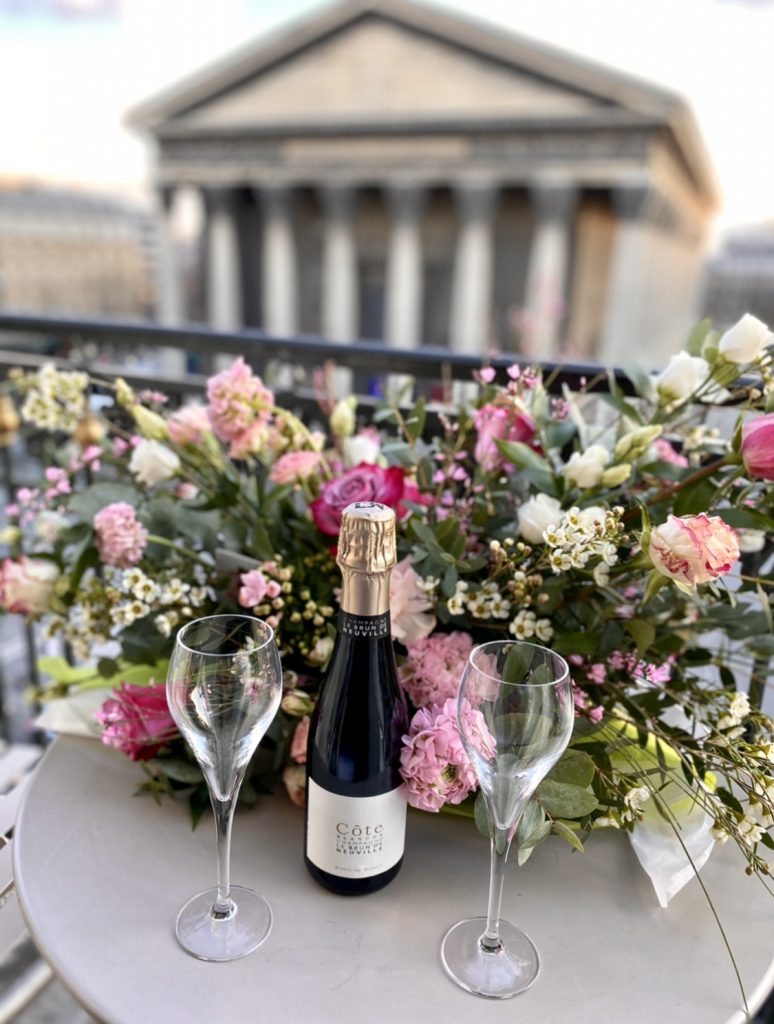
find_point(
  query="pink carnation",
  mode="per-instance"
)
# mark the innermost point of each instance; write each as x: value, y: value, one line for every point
x: 499, y: 423
x: 239, y: 407
x: 693, y: 549
x: 253, y: 589
x: 411, y: 613
x: 294, y: 467
x: 434, y: 667
x: 435, y: 768
x: 189, y: 424
x: 121, y: 539
x: 136, y: 719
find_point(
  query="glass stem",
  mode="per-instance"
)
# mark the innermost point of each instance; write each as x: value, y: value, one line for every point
x: 224, y: 815
x: 501, y: 844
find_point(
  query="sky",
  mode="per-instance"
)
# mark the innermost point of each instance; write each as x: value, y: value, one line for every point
x: 71, y: 69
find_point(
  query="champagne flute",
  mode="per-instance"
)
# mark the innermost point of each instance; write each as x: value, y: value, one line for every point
x: 224, y: 686
x: 515, y: 713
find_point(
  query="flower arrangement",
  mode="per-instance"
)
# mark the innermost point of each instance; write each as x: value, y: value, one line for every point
x: 617, y: 530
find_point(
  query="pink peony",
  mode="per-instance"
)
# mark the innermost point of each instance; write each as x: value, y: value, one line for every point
x: 253, y: 589
x: 294, y: 467
x: 665, y: 452
x: 121, y: 539
x: 435, y: 768
x: 693, y: 549
x: 434, y: 667
x: 239, y: 408
x: 299, y: 741
x: 361, y: 483
x: 136, y: 719
x: 189, y: 424
x: 409, y: 615
x: 27, y: 585
x: 499, y: 423
x: 758, y: 446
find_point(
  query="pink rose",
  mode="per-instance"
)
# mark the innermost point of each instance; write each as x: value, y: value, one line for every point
x: 121, y: 539
x: 693, y: 549
x: 136, y: 719
x: 758, y: 446
x: 189, y: 424
x: 361, y: 483
x: 253, y: 589
x: 435, y: 768
x: 239, y: 408
x: 294, y: 467
x: 294, y: 778
x: 299, y: 741
x: 499, y: 423
x: 410, y: 615
x: 432, y: 672
x: 665, y: 452
x: 27, y: 585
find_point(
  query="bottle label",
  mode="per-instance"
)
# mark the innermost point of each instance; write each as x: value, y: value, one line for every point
x: 371, y: 627
x: 355, y: 837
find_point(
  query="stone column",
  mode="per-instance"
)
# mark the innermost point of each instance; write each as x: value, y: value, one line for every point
x: 279, y: 284
x: 224, y: 281
x: 403, y: 307
x: 625, y: 332
x: 169, y: 301
x: 546, y: 293
x: 471, y: 300
x: 339, y: 271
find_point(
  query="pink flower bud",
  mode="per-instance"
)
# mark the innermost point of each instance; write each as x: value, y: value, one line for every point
x: 758, y: 446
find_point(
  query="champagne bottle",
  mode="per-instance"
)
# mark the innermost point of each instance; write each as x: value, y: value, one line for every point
x: 355, y: 812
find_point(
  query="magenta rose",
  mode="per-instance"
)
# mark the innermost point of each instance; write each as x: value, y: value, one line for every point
x: 758, y: 446
x: 136, y: 719
x: 693, y: 549
x: 361, y: 483
x: 500, y: 423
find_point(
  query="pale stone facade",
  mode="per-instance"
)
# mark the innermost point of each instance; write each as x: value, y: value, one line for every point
x: 392, y: 171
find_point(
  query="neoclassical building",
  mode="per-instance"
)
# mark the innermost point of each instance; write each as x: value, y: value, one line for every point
x: 389, y: 170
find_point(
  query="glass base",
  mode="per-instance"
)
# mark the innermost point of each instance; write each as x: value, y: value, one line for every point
x: 496, y: 974
x: 208, y: 938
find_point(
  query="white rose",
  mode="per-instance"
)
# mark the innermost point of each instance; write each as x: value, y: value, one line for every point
x: 585, y: 468
x: 751, y: 541
x: 321, y: 651
x: 592, y: 517
x: 152, y: 462
x: 682, y: 375
x: 745, y: 341
x: 363, y: 447
x: 536, y: 515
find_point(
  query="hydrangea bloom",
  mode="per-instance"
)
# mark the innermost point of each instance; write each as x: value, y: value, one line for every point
x: 434, y: 667
x: 435, y: 768
x: 121, y: 539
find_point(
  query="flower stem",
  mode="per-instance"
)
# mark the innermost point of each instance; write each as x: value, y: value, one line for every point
x: 154, y: 538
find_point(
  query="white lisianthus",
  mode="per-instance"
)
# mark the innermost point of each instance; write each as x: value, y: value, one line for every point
x: 681, y: 376
x: 585, y: 468
x: 362, y: 447
x: 745, y: 341
x: 152, y: 462
x: 536, y: 515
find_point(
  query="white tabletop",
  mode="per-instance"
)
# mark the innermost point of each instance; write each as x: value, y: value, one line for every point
x: 101, y: 876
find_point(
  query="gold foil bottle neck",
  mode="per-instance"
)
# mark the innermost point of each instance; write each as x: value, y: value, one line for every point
x: 367, y: 537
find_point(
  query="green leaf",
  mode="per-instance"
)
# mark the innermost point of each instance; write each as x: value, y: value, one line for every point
x: 198, y: 802
x: 416, y: 424
x: 564, y: 801
x: 694, y: 500
x: 568, y: 835
x: 745, y: 518
x: 178, y: 771
x: 522, y: 456
x: 85, y: 504
x: 517, y: 663
x: 643, y: 633
x: 575, y: 643
x: 697, y: 337
x: 575, y: 768
x: 481, y: 815
x: 424, y: 534
x: 62, y: 672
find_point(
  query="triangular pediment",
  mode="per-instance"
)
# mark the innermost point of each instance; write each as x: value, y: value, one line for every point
x: 376, y: 70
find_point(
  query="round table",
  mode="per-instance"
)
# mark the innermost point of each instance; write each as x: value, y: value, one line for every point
x: 101, y: 876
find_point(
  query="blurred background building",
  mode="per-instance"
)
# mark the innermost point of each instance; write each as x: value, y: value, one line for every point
x: 389, y: 170
x: 740, y: 276
x: 69, y: 252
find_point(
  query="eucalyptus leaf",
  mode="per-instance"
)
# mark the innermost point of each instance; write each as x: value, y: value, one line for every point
x: 178, y: 771
x: 566, y: 833
x: 565, y: 801
x: 575, y: 767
